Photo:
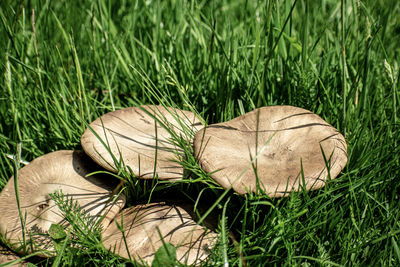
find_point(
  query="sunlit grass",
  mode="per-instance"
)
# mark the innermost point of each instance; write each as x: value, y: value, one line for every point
x: 66, y: 63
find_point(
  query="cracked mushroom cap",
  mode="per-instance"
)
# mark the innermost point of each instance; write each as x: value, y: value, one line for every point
x: 143, y: 225
x: 275, y: 143
x: 140, y: 140
x: 60, y: 170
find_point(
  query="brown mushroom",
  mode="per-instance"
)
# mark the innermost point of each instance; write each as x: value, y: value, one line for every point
x: 271, y: 147
x: 61, y: 170
x: 147, y: 227
x: 141, y: 137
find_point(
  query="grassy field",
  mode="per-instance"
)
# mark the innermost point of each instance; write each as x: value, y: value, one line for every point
x: 63, y: 64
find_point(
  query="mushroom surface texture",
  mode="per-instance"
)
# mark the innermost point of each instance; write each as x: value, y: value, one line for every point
x: 146, y: 227
x: 143, y: 138
x: 269, y: 148
x: 7, y: 257
x: 63, y: 171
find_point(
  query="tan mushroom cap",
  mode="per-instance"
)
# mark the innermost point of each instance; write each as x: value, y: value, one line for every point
x: 61, y: 170
x: 284, y: 138
x: 7, y: 257
x: 141, y: 224
x: 131, y: 135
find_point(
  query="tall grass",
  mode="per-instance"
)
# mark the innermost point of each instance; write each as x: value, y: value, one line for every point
x: 65, y: 63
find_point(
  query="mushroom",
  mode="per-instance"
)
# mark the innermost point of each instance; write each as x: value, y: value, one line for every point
x: 143, y: 138
x: 271, y: 148
x: 147, y: 227
x: 8, y: 257
x: 61, y: 170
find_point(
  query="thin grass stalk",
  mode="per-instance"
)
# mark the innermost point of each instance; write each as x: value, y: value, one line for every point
x: 224, y: 235
x: 16, y: 188
x: 81, y: 86
x: 8, y: 79
x: 343, y: 49
x: 44, y: 96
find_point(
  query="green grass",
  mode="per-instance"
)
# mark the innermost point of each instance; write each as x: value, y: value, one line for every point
x: 69, y: 63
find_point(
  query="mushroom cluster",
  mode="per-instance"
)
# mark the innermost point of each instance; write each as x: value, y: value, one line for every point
x: 272, y: 150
